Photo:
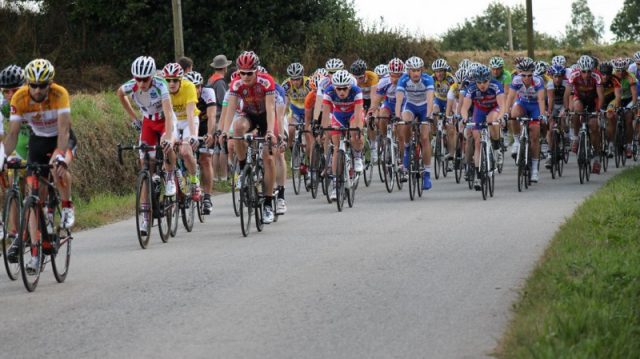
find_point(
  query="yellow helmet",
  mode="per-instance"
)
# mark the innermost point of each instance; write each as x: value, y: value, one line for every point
x: 39, y: 71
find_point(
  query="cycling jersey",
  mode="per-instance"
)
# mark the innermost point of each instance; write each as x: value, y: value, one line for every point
x: 527, y: 93
x: 370, y: 79
x: 23, y: 136
x: 485, y: 100
x: 558, y: 91
x: 280, y: 94
x: 415, y: 92
x: 626, y: 81
x: 387, y: 89
x: 310, y: 101
x: 609, y: 87
x: 442, y: 87
x: 505, y: 78
x: 207, y: 99
x: 150, y: 101
x: 585, y: 89
x: 297, y: 95
x: 41, y: 116
x: 342, y: 108
x: 186, y: 94
x: 253, y: 97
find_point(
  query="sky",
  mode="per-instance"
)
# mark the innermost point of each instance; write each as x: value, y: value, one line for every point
x: 433, y: 17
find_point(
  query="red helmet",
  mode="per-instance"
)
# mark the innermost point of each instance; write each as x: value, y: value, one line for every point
x: 248, y: 60
x: 172, y: 70
x: 396, y: 66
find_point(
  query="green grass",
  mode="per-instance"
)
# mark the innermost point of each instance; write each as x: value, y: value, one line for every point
x: 103, y: 209
x: 583, y: 299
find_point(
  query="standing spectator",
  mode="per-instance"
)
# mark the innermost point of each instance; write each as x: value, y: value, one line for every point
x: 220, y: 87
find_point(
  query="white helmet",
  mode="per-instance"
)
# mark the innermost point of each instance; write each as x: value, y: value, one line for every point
x: 414, y: 62
x: 194, y: 77
x: 143, y: 66
x: 558, y: 60
x: 321, y: 71
x: 381, y: 70
x: 636, y: 56
x: 341, y: 78
x: 586, y: 63
x: 295, y: 70
x: 334, y: 65
x: 439, y: 64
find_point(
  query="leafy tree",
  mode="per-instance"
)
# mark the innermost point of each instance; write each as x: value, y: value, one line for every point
x: 626, y: 24
x: 584, y: 28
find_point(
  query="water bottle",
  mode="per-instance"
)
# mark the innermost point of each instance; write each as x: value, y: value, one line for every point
x: 50, y: 220
x: 182, y: 182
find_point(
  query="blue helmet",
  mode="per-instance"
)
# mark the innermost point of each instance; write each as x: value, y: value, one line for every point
x: 481, y: 74
x: 557, y: 70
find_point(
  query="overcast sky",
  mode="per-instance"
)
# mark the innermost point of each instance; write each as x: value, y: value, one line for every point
x: 433, y: 17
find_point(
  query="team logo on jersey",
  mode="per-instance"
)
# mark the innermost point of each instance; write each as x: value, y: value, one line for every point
x: 153, y: 95
x: 245, y: 92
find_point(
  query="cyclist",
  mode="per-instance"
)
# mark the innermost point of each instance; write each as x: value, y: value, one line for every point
x: 530, y: 102
x: 258, y: 94
x: 296, y: 88
x: 556, y: 102
x: 367, y: 81
x: 612, y: 91
x: 207, y: 128
x: 151, y: 95
x: 342, y: 105
x: 628, y: 98
x: 588, y: 95
x: 487, y: 97
x: 443, y: 80
x: 11, y: 79
x: 417, y: 88
x: 381, y: 70
x: 45, y: 106
x: 496, y: 64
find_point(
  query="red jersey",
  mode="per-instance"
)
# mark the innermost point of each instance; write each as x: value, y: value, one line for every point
x: 253, y: 97
x: 585, y: 88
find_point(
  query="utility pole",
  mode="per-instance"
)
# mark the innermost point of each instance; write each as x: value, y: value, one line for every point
x: 178, y: 42
x: 509, y: 29
x: 530, y: 45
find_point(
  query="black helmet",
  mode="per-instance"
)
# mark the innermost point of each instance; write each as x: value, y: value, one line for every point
x: 358, y: 67
x: 11, y: 76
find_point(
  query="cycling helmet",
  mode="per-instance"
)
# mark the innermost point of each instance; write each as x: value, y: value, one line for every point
x: 461, y: 75
x: 315, y: 80
x: 517, y: 60
x: 381, y: 70
x: 172, y: 70
x: 334, y: 65
x: 12, y: 76
x: 481, y: 73
x: 261, y: 69
x: 464, y: 63
x: 414, y: 63
x: 606, y: 68
x: 295, y: 70
x: 248, y: 60
x: 585, y: 63
x: 439, y: 64
x: 143, y: 66
x: 321, y: 71
x: 358, y: 67
x: 341, y: 78
x: 559, y: 60
x: 540, y: 68
x: 396, y: 66
x: 39, y: 71
x: 526, y: 64
x: 472, y: 67
x: 194, y: 77
x: 496, y: 62
x: 620, y: 63
x: 557, y: 70
x: 636, y: 56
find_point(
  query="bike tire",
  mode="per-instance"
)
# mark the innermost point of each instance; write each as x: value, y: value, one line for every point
x: 437, y: 163
x: 340, y: 185
x: 484, y: 183
x: 11, y: 203
x: 367, y: 173
x: 174, y: 216
x: 604, y: 157
x: 295, y: 167
x: 351, y: 190
x: 412, y: 171
x: 235, y: 192
x: 380, y: 163
x: 28, y: 248
x: 314, y: 170
x: 458, y: 166
x: 164, y: 222
x: 419, y: 169
x: 258, y: 199
x: 61, y: 260
x: 246, y: 209
x: 389, y: 172
x: 143, y: 181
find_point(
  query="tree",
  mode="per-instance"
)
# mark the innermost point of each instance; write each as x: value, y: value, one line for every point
x: 584, y: 28
x: 626, y: 24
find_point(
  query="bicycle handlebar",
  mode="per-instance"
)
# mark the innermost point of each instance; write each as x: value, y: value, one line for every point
x: 141, y: 147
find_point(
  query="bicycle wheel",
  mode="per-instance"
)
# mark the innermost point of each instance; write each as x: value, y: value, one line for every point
x: 380, y: 163
x: 604, y: 152
x: 12, y: 210
x: 417, y: 159
x: 295, y: 167
x: 437, y: 155
x: 491, y: 171
x: 458, y: 164
x: 340, y: 185
x: 520, y: 178
x: 484, y: 183
x: 314, y: 170
x: 412, y: 172
x: 635, y: 149
x: 235, y: 193
x: 258, y: 198
x: 553, y: 154
x: 559, y: 155
x: 445, y: 159
x: 188, y: 213
x: 246, y: 201
x: 399, y: 174
x: 174, y: 215
x: 32, y: 225
x: 144, y: 212
x: 388, y: 163
x: 368, y: 166
x: 326, y: 183
x: 164, y: 221
x: 60, y: 261
x: 353, y: 180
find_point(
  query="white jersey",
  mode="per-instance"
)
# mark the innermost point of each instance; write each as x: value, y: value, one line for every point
x: 208, y: 95
x: 150, y: 101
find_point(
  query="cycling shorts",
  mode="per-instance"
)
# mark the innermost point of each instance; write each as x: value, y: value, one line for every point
x: 480, y: 117
x: 419, y: 112
x: 297, y: 115
x: 442, y: 104
x: 531, y: 109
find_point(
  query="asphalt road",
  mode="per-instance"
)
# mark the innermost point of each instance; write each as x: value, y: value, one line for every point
x: 389, y: 278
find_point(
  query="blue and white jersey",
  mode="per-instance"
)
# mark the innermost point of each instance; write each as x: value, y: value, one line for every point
x: 281, y: 94
x: 485, y: 100
x: 527, y: 94
x: 415, y: 92
x: 387, y: 89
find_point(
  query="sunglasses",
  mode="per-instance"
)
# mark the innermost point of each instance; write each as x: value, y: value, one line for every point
x: 173, y: 80
x: 9, y: 90
x: 246, y: 73
x: 586, y: 72
x: 342, y: 88
x: 296, y: 78
x: 39, y: 86
x: 526, y: 75
x: 142, y: 79
x: 482, y: 82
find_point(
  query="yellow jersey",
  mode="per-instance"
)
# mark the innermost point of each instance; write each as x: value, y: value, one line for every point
x: 185, y: 95
x: 442, y: 87
x: 41, y: 116
x: 297, y: 94
x: 366, y: 81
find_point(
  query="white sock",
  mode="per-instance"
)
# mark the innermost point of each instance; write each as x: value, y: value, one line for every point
x: 534, y: 165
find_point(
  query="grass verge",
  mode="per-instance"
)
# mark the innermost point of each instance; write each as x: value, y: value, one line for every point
x: 582, y: 300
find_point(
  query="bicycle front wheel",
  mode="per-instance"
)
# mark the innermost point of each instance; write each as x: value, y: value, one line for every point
x: 11, y: 226
x: 30, y: 250
x: 484, y: 183
x: 340, y: 176
x: 368, y: 165
x: 388, y: 163
x: 60, y: 261
x: 314, y: 169
x: 235, y: 193
x: 164, y: 221
x: 188, y: 213
x: 296, y: 160
x: 412, y: 172
x: 246, y: 202
x: 437, y: 155
x: 144, y: 212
